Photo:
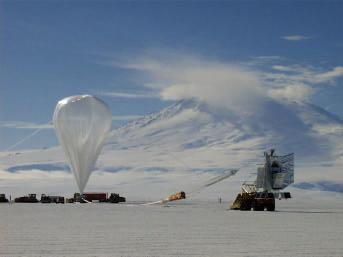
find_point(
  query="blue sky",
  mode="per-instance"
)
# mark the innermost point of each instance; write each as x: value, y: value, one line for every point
x: 53, y: 49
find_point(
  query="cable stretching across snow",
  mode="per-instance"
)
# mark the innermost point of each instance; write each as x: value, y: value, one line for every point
x: 209, y: 183
x: 214, y: 180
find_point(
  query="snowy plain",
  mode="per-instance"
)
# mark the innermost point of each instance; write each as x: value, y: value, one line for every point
x: 299, y: 227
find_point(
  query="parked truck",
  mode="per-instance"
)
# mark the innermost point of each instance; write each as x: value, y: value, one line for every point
x: 116, y: 198
x: 30, y: 198
x: 51, y: 199
x: 3, y: 198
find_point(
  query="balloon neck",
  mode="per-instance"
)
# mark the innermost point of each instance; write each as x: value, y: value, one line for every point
x: 81, y: 196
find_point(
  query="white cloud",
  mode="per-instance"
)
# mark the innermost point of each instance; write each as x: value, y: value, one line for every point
x: 235, y: 86
x: 33, y: 126
x: 304, y: 74
x: 129, y: 95
x: 125, y: 117
x: 298, y: 82
x: 268, y: 57
x: 283, y: 68
x: 295, y: 37
x: 220, y: 84
x: 24, y: 125
x: 296, y: 92
x: 263, y: 60
x: 329, y: 75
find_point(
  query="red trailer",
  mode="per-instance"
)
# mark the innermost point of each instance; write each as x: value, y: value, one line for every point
x: 101, y: 197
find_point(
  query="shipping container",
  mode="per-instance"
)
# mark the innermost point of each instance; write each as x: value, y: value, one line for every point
x: 101, y: 197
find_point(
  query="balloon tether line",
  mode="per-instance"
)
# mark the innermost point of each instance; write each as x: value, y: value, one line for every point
x: 25, y: 139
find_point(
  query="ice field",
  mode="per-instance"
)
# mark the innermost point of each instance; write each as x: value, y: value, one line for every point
x: 187, y: 228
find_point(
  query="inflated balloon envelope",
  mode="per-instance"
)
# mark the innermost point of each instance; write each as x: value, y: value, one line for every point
x: 82, y: 124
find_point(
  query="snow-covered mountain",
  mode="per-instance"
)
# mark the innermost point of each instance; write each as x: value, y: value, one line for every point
x: 306, y: 129
x: 192, y: 137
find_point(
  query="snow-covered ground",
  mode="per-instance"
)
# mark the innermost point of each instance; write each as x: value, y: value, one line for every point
x: 299, y: 227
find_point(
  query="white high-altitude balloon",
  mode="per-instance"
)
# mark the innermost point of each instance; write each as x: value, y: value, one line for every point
x: 82, y: 124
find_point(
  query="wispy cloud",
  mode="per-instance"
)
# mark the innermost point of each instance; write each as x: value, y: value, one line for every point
x: 299, y: 82
x: 329, y: 75
x: 177, y: 77
x: 263, y: 60
x: 295, y: 37
x: 24, y: 125
x: 267, y: 57
x: 294, y: 92
x: 239, y: 87
x: 34, y: 126
x: 126, y: 117
x: 305, y: 74
x: 129, y: 95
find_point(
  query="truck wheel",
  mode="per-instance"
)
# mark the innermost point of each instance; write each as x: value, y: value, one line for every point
x: 257, y: 207
x: 245, y: 207
x: 271, y: 207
